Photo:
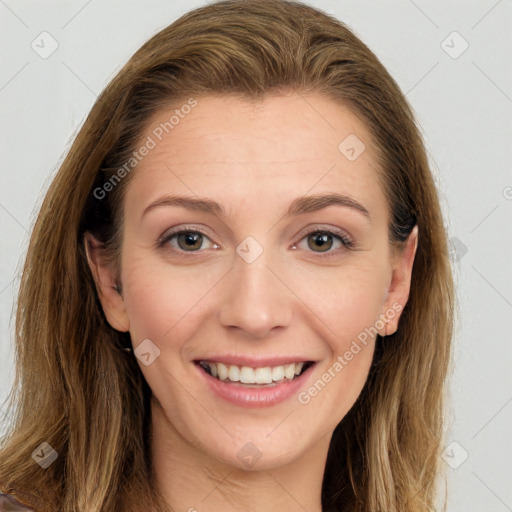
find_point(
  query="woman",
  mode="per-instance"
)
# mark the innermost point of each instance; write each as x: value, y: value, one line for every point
x: 237, y: 293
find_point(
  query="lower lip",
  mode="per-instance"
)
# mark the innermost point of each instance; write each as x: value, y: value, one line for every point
x: 244, y: 396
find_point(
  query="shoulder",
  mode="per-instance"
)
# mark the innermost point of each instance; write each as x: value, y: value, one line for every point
x: 8, y: 503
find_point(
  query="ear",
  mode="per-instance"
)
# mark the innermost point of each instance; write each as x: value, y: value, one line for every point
x: 106, y: 281
x: 399, y: 285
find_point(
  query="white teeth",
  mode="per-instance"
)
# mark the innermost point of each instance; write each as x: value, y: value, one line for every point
x: 263, y: 375
x: 289, y: 371
x: 222, y: 371
x: 234, y: 373
x: 277, y: 373
x: 248, y: 375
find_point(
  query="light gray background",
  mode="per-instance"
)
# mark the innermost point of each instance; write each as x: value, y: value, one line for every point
x: 462, y: 102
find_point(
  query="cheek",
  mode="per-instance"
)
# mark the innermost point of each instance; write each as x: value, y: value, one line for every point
x: 341, y: 377
x: 348, y: 303
x: 163, y: 301
x: 347, y: 300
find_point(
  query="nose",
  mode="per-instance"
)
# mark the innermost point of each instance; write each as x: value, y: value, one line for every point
x: 257, y: 299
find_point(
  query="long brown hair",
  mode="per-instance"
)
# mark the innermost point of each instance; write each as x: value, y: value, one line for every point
x: 79, y: 391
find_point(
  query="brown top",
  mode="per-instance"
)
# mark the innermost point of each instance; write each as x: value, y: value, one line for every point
x: 10, y: 504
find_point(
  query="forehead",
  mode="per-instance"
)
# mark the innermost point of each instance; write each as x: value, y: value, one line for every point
x: 286, y: 145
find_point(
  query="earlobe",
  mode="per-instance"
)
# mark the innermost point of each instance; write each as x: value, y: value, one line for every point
x: 400, y: 284
x: 107, y: 285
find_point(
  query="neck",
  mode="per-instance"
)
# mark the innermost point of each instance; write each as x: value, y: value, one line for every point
x: 192, y: 480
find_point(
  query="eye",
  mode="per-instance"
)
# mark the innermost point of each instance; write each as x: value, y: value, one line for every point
x: 322, y: 240
x: 185, y: 240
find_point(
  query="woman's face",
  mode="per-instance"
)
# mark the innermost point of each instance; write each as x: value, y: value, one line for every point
x: 248, y: 284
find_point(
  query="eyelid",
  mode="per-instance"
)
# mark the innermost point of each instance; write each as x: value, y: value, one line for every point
x: 169, y: 233
x: 324, y: 228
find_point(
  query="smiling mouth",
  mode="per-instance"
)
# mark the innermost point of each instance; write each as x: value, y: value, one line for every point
x: 254, y: 377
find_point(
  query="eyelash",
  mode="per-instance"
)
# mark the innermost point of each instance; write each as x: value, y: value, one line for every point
x: 345, y: 240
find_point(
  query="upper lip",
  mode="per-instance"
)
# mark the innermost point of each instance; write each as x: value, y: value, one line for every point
x: 254, y: 362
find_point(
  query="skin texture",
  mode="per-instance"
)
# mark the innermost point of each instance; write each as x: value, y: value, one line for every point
x: 254, y: 159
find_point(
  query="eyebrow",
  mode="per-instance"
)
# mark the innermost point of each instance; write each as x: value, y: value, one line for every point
x: 299, y: 206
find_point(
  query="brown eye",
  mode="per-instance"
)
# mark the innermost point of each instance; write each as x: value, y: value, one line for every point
x: 326, y: 243
x: 186, y: 240
x: 320, y: 239
x: 189, y: 240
